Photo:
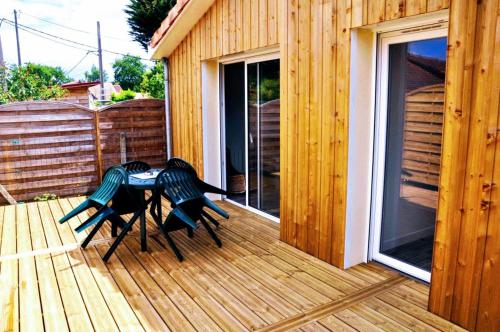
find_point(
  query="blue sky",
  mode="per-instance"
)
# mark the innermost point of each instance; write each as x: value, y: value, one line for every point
x: 435, y: 48
x: 78, y: 14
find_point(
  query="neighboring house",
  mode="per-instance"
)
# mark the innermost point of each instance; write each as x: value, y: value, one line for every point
x: 369, y: 141
x: 109, y: 89
x: 78, y: 92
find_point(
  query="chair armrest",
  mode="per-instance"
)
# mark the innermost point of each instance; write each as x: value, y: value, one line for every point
x: 208, y: 188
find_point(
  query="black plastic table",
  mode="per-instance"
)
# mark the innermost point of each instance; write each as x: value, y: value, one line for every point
x: 142, y: 185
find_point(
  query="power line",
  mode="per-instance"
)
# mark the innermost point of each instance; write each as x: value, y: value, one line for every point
x: 51, y: 35
x: 70, y: 28
x: 70, y: 41
x: 50, y: 39
x: 80, y: 61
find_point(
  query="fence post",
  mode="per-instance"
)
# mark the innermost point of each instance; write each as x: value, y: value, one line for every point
x: 98, y: 145
x: 123, y: 148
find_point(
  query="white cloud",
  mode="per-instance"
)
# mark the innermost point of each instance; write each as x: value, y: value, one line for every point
x: 78, y: 14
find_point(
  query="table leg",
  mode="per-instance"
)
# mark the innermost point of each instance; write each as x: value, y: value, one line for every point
x: 144, y: 246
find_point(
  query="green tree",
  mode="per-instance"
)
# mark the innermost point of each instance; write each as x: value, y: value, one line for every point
x: 153, y: 83
x: 49, y: 75
x: 128, y: 72
x: 145, y: 17
x: 93, y: 75
x: 32, y: 82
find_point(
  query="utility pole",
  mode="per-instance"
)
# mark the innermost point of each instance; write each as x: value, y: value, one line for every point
x: 17, y: 39
x: 99, y: 53
x: 3, y: 70
x: 2, y: 63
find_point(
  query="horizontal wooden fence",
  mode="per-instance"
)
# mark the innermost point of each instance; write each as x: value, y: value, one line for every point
x: 423, y: 131
x: 62, y: 148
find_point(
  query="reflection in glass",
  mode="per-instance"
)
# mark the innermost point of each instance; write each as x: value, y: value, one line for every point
x: 262, y: 158
x: 263, y: 136
x: 413, y: 150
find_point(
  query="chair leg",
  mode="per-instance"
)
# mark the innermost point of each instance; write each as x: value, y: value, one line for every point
x: 120, y: 237
x: 172, y: 245
x: 210, y: 231
x: 209, y: 217
x: 92, y: 233
x: 114, y: 229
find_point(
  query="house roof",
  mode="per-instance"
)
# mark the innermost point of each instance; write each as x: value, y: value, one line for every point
x: 175, y: 27
x: 424, y: 71
x: 78, y: 85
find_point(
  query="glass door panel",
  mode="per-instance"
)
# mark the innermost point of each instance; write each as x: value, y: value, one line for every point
x: 252, y: 120
x: 234, y: 131
x: 263, y: 136
x: 412, y: 115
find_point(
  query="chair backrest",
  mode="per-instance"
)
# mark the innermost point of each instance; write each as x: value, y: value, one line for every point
x: 179, y: 185
x: 178, y: 163
x: 113, y: 178
x: 133, y: 167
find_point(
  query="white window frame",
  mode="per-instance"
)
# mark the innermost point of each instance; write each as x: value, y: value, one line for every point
x: 384, y: 41
x: 266, y: 55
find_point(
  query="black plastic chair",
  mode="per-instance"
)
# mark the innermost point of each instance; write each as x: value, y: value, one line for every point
x: 114, y: 189
x: 134, y: 167
x: 178, y: 163
x: 187, y: 202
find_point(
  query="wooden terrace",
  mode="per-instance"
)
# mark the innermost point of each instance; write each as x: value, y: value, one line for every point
x: 254, y: 282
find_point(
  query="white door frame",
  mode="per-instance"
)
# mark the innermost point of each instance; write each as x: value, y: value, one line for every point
x: 246, y: 59
x: 382, y: 81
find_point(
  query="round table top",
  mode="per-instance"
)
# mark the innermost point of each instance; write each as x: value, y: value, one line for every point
x: 145, y: 184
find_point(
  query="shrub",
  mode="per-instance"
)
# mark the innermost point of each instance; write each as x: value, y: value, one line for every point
x: 45, y: 197
x: 122, y: 96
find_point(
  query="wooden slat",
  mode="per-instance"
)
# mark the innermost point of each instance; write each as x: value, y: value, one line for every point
x: 479, y: 168
x: 455, y: 142
x: 29, y: 297
x: 9, y: 297
x: 303, y: 126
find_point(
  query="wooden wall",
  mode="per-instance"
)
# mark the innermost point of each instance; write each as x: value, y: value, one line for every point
x: 53, y: 146
x: 464, y: 285
x: 229, y: 27
x: 314, y: 39
x: 315, y: 112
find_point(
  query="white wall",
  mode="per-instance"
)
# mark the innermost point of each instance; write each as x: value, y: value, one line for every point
x: 211, y: 124
x: 361, y: 131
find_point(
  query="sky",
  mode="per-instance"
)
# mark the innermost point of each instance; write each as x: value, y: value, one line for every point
x: 75, y: 14
x: 435, y: 48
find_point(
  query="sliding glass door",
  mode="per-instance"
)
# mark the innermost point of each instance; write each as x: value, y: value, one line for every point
x: 251, y: 124
x: 411, y: 83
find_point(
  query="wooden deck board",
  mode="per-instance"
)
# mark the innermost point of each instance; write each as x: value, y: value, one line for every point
x: 254, y: 282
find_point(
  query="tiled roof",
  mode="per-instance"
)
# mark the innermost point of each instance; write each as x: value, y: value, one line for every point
x: 172, y: 16
x: 78, y: 84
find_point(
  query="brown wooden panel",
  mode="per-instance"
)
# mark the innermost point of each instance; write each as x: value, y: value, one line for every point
x: 52, y: 146
x: 44, y: 145
x: 479, y: 169
x: 128, y: 119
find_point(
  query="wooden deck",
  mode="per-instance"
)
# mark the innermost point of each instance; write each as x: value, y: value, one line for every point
x: 254, y: 282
